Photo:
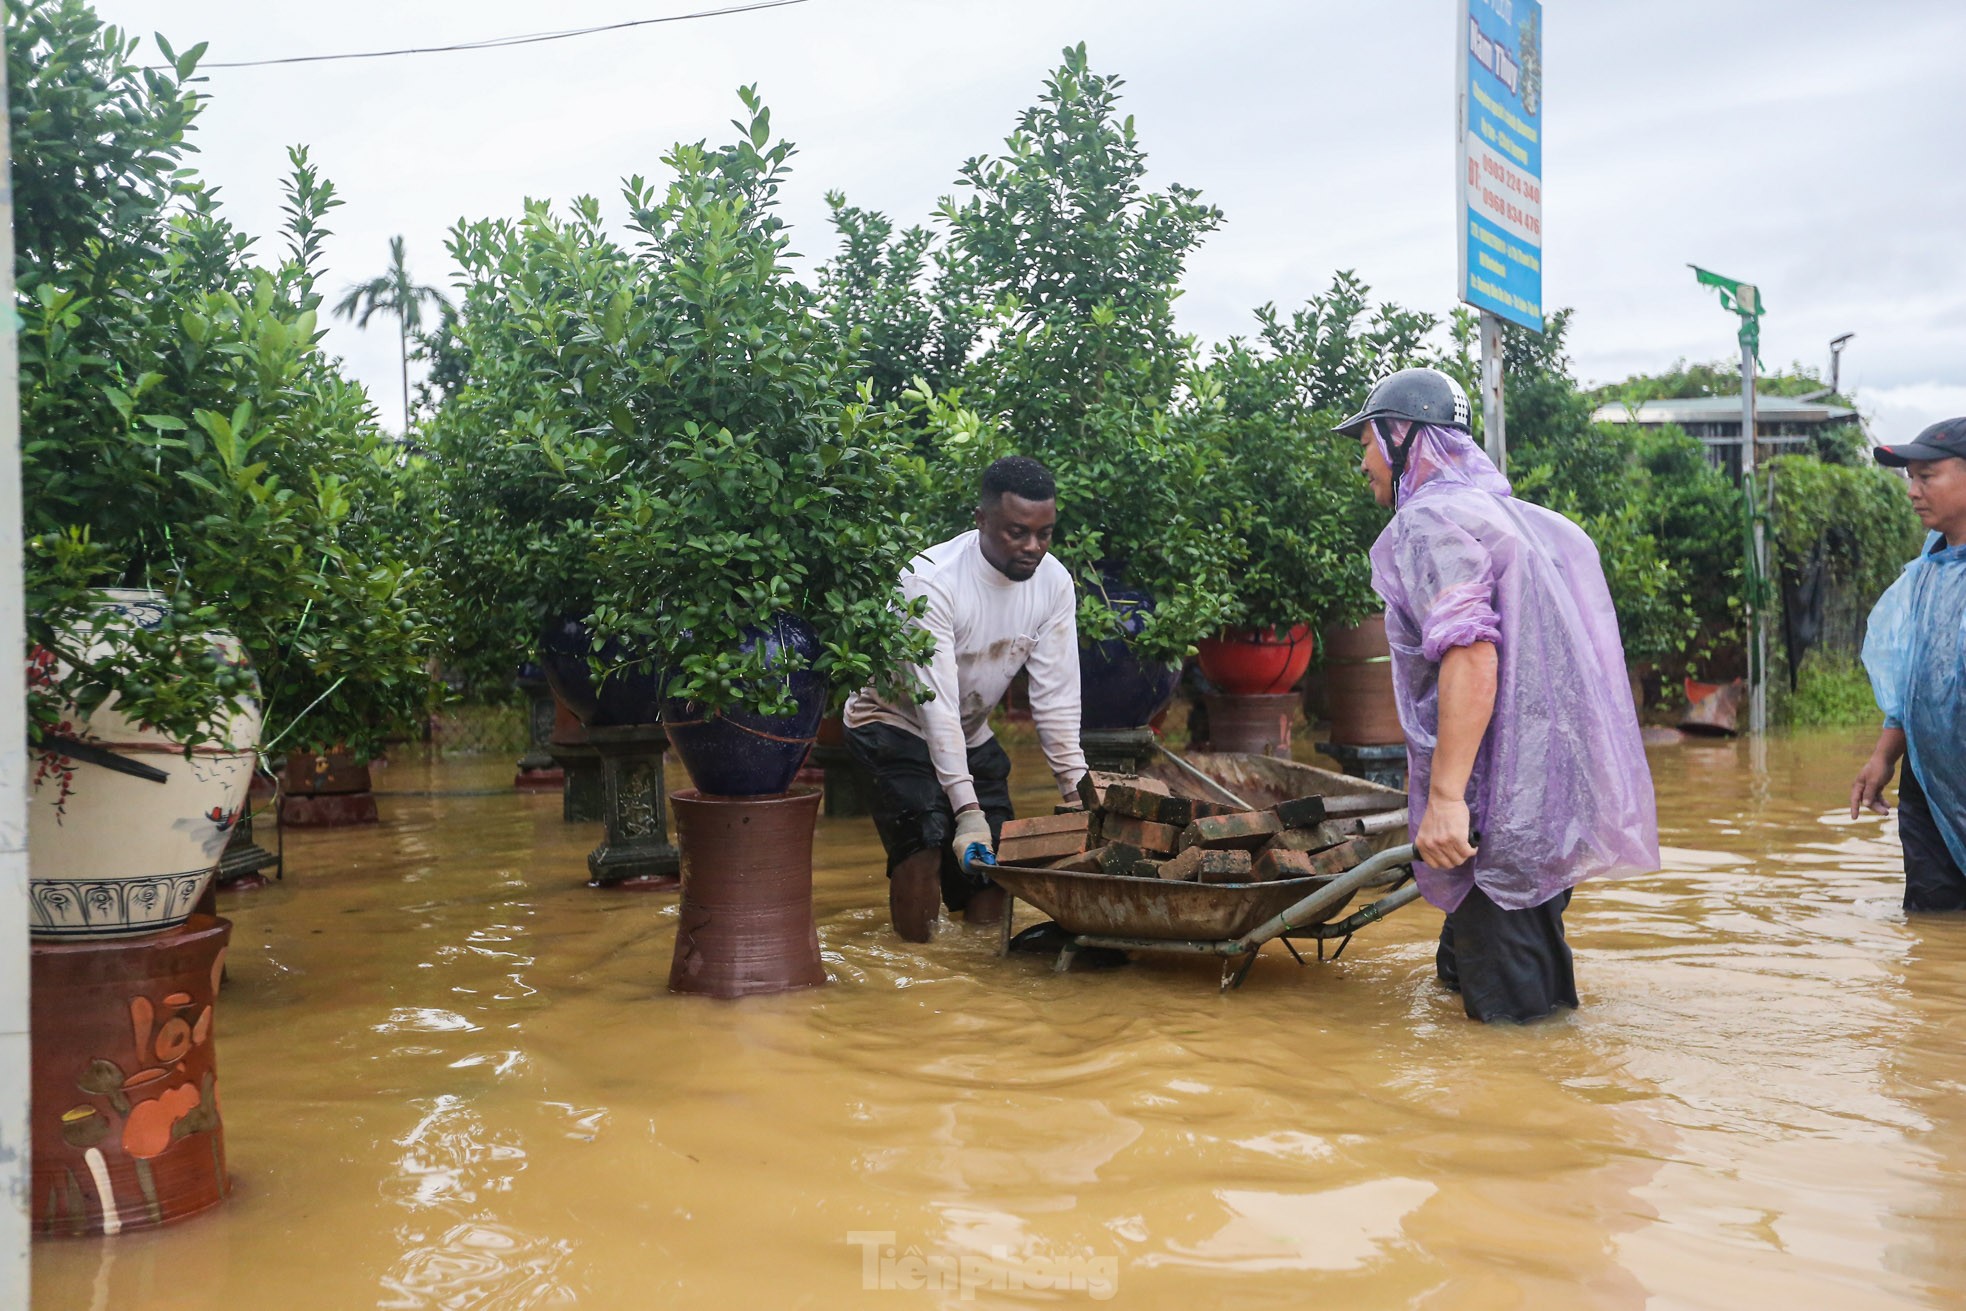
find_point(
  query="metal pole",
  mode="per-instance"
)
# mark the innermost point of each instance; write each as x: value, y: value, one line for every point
x: 14, y: 1095
x: 1757, y: 610
x: 1493, y: 425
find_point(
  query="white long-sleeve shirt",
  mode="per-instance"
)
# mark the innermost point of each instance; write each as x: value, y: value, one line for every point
x: 987, y: 627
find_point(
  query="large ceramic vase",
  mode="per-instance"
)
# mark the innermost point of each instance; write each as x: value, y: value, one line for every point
x: 112, y: 854
x: 1117, y: 689
x: 125, y: 1114
x: 737, y: 753
x: 628, y: 695
x: 1256, y: 662
x: 745, y: 925
x: 1358, y: 685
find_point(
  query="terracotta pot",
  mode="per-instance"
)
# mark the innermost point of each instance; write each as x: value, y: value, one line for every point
x: 111, y: 854
x: 326, y: 791
x: 1258, y: 725
x: 1249, y: 662
x: 335, y: 774
x: 832, y: 733
x: 125, y: 1114
x: 745, y: 925
x: 1358, y: 685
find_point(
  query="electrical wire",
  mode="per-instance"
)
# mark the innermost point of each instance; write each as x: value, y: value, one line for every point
x: 504, y: 42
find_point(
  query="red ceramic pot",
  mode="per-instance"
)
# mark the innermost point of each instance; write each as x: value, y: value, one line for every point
x: 1249, y: 662
x: 126, y: 1126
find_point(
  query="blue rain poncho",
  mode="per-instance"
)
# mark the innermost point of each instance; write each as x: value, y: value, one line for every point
x: 1560, y: 790
x: 1915, y: 654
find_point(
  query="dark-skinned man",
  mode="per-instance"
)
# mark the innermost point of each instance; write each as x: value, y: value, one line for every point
x: 997, y: 603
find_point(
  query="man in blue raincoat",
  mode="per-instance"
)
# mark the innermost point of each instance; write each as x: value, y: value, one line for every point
x: 1915, y: 653
x: 1512, y: 691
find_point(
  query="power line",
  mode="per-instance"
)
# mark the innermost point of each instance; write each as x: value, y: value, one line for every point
x: 504, y: 42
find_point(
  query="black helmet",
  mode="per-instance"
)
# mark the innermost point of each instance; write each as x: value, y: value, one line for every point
x: 1422, y: 395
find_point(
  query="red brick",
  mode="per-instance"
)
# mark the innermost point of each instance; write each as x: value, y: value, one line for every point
x: 1246, y: 830
x: 1142, y: 833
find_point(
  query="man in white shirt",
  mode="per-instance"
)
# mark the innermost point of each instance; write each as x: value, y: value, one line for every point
x: 997, y: 603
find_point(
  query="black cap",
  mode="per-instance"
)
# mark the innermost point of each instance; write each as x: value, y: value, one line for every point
x: 1945, y: 439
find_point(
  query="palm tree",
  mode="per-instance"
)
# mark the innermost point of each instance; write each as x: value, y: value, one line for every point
x: 394, y: 293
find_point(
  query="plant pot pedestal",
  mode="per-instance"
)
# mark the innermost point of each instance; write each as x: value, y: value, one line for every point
x: 635, y: 854
x: 746, y: 923
x: 1258, y: 725
x: 244, y: 858
x: 538, y: 772
x: 1118, y: 750
x: 583, y: 791
x: 1385, y: 765
x: 125, y: 1126
x: 1358, y: 686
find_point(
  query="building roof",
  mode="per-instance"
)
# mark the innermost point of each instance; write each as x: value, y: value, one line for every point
x: 1723, y: 409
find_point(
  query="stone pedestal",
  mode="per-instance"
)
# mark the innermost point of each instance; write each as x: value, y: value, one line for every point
x: 538, y: 771
x: 636, y: 853
x: 583, y: 792
x: 1118, y: 751
x: 125, y: 1119
x: 1258, y: 725
x: 244, y: 858
x: 1381, y: 764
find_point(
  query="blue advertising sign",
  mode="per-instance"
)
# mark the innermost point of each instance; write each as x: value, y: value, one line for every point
x: 1500, y: 179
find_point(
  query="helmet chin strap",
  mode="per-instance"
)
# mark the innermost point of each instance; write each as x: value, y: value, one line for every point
x: 1399, y: 453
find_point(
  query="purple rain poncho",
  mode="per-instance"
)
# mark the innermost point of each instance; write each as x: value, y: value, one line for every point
x: 1912, y: 652
x: 1560, y: 791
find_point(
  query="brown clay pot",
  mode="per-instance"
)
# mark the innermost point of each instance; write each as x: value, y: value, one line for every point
x: 126, y: 1131
x: 331, y: 775
x: 325, y: 791
x: 1259, y: 725
x: 1358, y: 685
x: 745, y: 925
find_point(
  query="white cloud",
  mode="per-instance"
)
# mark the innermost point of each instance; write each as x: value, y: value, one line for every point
x: 1804, y: 144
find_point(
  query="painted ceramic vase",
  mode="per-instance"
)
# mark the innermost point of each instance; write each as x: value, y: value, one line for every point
x: 112, y: 855
x: 125, y: 1110
x: 1117, y: 689
x: 735, y: 753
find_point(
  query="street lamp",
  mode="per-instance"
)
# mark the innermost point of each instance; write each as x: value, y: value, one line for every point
x: 1836, y: 345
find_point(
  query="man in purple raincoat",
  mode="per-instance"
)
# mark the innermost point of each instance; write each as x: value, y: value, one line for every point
x: 1526, y: 774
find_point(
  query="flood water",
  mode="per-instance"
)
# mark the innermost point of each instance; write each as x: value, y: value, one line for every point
x: 451, y: 1077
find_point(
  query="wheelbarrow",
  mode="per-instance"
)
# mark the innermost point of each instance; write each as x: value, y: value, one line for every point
x: 1227, y: 920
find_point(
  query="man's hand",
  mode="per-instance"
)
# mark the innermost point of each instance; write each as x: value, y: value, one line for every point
x: 1868, y: 790
x: 1443, y: 837
x: 972, y: 826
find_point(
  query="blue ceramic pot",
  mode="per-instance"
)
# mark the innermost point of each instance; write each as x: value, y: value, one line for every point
x: 735, y: 753
x: 1117, y: 689
x: 628, y: 697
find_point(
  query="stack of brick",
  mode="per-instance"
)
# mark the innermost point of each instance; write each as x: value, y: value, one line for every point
x: 1135, y: 827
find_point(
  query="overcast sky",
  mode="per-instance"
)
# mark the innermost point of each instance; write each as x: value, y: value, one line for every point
x: 1811, y: 146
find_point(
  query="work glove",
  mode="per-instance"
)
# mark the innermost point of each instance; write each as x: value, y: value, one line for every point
x: 972, y: 842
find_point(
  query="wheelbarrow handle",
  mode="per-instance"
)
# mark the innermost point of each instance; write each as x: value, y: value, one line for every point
x: 1331, y: 894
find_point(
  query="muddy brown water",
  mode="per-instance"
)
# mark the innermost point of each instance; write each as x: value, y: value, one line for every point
x: 451, y: 1078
